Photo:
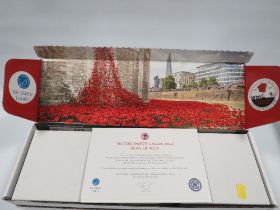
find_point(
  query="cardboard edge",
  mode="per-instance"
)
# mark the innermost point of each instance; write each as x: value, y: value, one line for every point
x: 264, y: 176
x: 40, y: 51
x: 61, y: 205
x: 4, y: 103
x: 245, y: 97
x: 8, y: 193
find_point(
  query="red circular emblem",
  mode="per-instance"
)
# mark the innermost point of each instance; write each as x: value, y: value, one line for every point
x: 144, y: 136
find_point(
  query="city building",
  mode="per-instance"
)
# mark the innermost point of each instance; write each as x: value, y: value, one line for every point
x: 183, y: 78
x: 225, y: 74
x: 168, y: 66
x: 158, y: 82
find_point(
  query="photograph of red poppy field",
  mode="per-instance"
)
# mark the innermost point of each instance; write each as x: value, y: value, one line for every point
x: 103, y: 101
x: 157, y: 113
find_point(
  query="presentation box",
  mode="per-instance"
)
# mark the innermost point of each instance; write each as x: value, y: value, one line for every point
x: 55, y: 166
x: 142, y: 87
x: 140, y: 128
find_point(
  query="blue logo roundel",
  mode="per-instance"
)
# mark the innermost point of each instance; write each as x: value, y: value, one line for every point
x: 95, y: 182
x: 23, y: 81
x: 195, y: 185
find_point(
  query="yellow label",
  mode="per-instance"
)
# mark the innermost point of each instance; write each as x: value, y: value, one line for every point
x: 241, y: 191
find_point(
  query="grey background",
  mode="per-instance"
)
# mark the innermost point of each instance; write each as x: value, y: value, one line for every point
x: 213, y: 25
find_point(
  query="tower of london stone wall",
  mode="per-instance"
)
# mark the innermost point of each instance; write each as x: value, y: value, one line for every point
x: 62, y: 77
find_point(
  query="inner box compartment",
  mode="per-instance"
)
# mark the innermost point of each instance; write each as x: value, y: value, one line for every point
x: 51, y: 167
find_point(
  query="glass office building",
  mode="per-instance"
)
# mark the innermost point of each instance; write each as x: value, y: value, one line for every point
x: 225, y: 74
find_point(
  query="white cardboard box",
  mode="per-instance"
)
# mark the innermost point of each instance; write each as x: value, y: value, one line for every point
x: 63, y: 192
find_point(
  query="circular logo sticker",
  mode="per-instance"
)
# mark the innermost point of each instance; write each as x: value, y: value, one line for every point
x: 22, y: 87
x: 263, y: 94
x: 195, y: 185
x: 95, y: 182
x: 23, y: 81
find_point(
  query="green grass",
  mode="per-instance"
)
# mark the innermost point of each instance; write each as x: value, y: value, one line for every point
x: 234, y: 104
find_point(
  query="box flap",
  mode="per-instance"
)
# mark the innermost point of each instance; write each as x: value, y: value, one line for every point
x: 21, y: 88
x: 55, y: 177
x: 262, y: 95
x: 266, y: 181
x: 157, y: 54
x: 241, y: 182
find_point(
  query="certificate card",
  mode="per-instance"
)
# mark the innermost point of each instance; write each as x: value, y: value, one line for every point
x: 139, y: 165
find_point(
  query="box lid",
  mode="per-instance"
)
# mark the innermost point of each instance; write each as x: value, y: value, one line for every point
x: 156, y: 54
x: 142, y: 87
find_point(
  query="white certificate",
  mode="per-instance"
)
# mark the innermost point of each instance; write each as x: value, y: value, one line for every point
x: 139, y: 165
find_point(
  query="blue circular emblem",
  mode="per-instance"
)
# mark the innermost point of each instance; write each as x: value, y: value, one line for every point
x: 23, y: 81
x: 95, y: 182
x: 195, y: 185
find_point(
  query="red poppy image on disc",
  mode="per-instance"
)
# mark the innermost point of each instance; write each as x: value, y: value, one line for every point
x: 110, y: 91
